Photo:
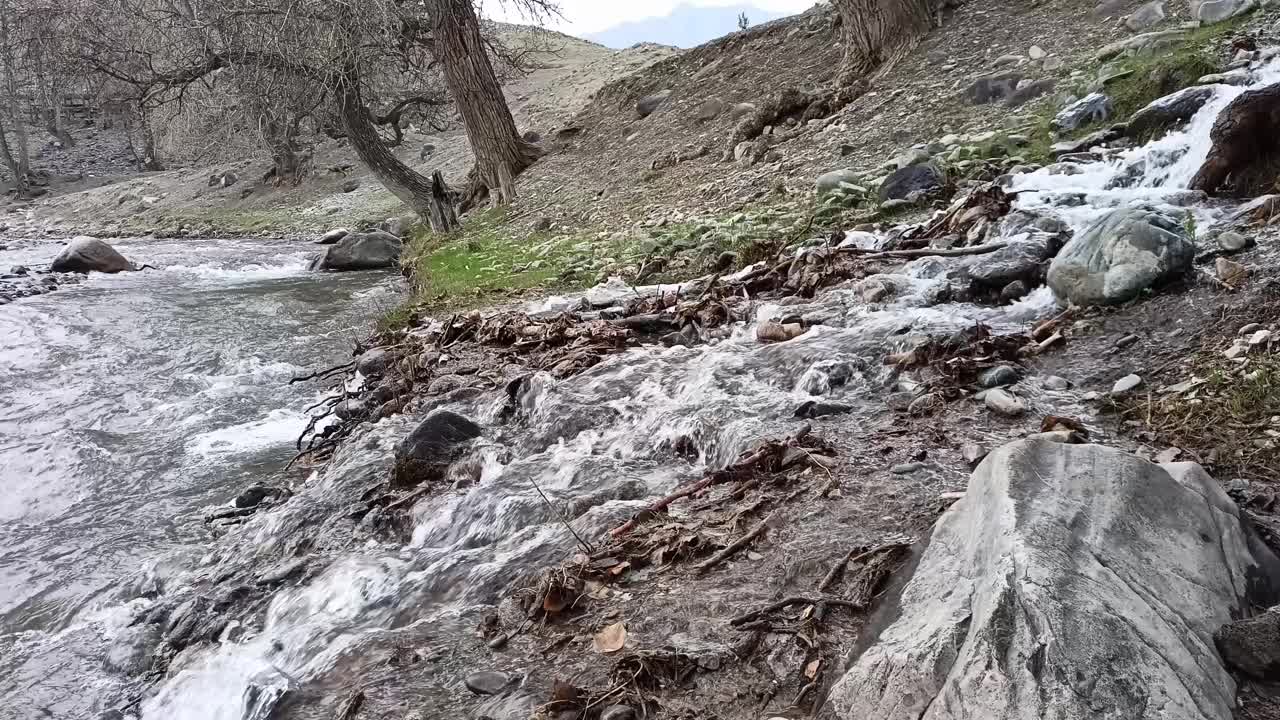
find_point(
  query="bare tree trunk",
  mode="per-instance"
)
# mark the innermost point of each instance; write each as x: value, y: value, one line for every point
x: 20, y: 187
x: 137, y: 126
x: 53, y: 124
x: 21, y: 162
x: 290, y: 164
x: 500, y: 153
x: 403, y: 181
x: 443, y: 218
x: 878, y: 33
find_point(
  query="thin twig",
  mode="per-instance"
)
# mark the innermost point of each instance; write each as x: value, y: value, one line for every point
x: 586, y: 547
x: 734, y: 547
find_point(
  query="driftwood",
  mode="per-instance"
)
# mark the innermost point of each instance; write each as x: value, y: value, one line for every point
x: 443, y: 217
x: 926, y: 252
x: 733, y: 548
x: 1245, y: 155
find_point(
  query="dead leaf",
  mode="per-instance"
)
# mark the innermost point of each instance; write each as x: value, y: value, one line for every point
x: 611, y: 639
x: 811, y: 670
x: 555, y: 601
x: 564, y: 692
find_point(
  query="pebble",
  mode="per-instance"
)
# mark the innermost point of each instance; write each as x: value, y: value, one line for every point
x: 1232, y: 241
x: 973, y: 453
x: 1126, y: 341
x: 1238, y: 485
x: 486, y: 682
x: 907, y: 468
x: 1125, y: 384
x: 1036, y: 52
x: 1053, y: 382
x: 997, y: 376
x: 1001, y: 402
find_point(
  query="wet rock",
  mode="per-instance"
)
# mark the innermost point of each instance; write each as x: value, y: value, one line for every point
x: 1232, y: 241
x: 1022, y: 259
x: 815, y: 409
x: 998, y: 376
x: 1125, y: 384
x: 1238, y: 77
x: 1002, y: 403
x: 1252, y: 646
x: 130, y: 651
x: 426, y: 151
x: 361, y: 251
x: 1146, y: 16
x: 648, y: 104
x: 1014, y: 291
x: 487, y: 682
x: 1125, y: 252
x: 618, y: 712
x: 1242, y: 158
x: 373, y: 363
x: 993, y: 88
x: 351, y: 409
x: 1168, y: 112
x: 1084, y: 144
x: 1113, y: 572
x: 926, y: 177
x: 907, y: 468
x: 774, y: 331
x: 1053, y: 382
x: 86, y: 254
x: 252, y: 496
x: 973, y: 453
x: 426, y: 453
x: 1092, y: 108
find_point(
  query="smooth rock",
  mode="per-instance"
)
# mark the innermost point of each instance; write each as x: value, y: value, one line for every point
x: 907, y: 468
x: 333, y: 236
x: 351, y: 185
x: 1036, y: 52
x: 373, y: 363
x: 86, y: 254
x: 1092, y: 108
x: 914, y: 156
x: 1015, y: 290
x: 709, y: 109
x: 831, y: 181
x: 1249, y: 329
x: 997, y: 376
x: 361, y: 251
x: 815, y: 409
x: 1072, y: 582
x: 1123, y: 253
x: 1028, y: 91
x: 1216, y: 11
x: 1055, y: 383
x: 1261, y: 337
x: 1021, y: 259
x: 486, y: 682
x: 1232, y: 241
x: 1252, y: 645
x: 1125, y: 384
x: 1003, y: 403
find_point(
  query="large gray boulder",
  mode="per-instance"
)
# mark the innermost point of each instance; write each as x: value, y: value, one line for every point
x: 361, y: 251
x: 1070, y: 582
x: 1123, y: 253
x: 1169, y: 111
x: 86, y: 254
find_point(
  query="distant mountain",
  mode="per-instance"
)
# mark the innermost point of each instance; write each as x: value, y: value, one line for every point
x: 687, y: 26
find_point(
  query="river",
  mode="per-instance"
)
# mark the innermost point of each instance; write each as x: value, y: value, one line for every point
x: 128, y: 405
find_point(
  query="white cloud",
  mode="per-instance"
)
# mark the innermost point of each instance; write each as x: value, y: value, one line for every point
x: 589, y: 16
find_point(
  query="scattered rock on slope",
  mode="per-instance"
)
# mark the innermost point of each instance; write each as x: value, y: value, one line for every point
x: 86, y: 254
x: 1216, y: 11
x: 646, y: 105
x: 1071, y: 581
x: 1123, y: 253
x: 993, y: 88
x: 361, y: 251
x: 1146, y: 16
x: 925, y: 177
x: 1092, y: 108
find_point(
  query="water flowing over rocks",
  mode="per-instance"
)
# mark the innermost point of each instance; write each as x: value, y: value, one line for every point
x: 1070, y: 580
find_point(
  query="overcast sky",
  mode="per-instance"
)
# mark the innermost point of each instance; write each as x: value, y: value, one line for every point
x: 589, y: 16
